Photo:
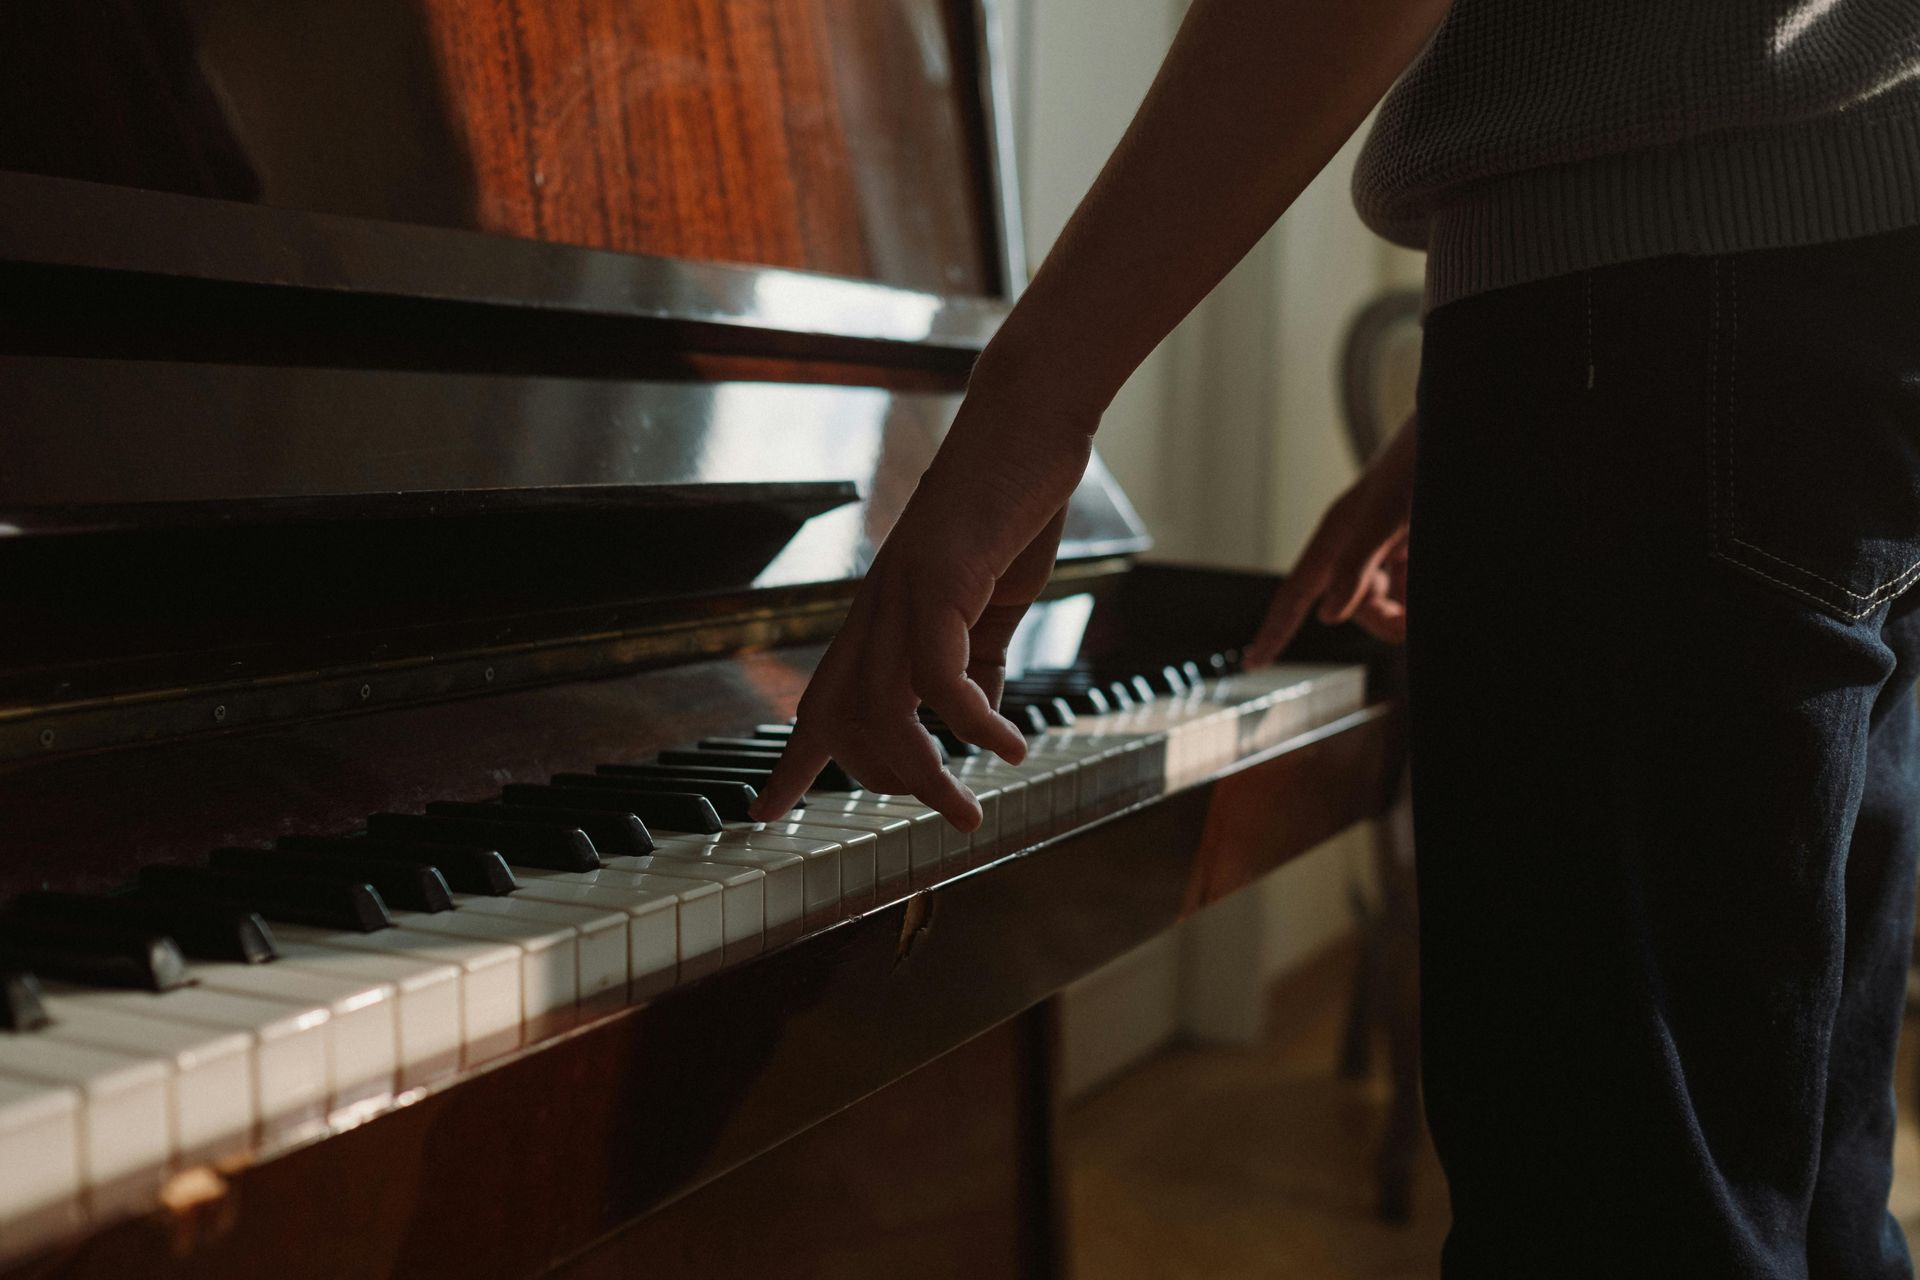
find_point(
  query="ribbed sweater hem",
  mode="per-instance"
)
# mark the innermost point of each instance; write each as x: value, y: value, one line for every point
x: 1838, y: 178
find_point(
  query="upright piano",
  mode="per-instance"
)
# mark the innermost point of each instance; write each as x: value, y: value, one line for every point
x: 436, y: 442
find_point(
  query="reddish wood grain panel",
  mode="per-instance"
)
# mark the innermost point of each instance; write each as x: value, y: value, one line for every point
x: 833, y: 135
x: 942, y: 1175
x: 824, y: 134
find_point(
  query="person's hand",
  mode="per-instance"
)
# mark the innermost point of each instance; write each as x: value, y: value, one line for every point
x: 1355, y: 565
x: 932, y: 621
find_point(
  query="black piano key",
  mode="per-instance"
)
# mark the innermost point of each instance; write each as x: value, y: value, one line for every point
x: 1086, y: 701
x: 714, y: 773
x: 92, y: 955
x: 952, y: 745
x: 1059, y: 677
x: 1089, y: 702
x: 1170, y: 680
x: 204, y: 930
x: 614, y: 834
x: 729, y: 799
x: 730, y: 790
x: 409, y: 888
x: 756, y: 745
x: 1134, y: 685
x: 832, y: 778
x: 325, y: 904
x: 552, y: 848
x: 782, y: 731
x: 466, y: 869
x: 1058, y: 711
x: 20, y: 1001
x: 681, y: 809
x: 763, y: 758
x: 1028, y: 715
x: 739, y: 744
x: 1191, y: 670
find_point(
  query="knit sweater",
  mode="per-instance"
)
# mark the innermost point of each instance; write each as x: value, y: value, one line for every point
x: 1534, y: 138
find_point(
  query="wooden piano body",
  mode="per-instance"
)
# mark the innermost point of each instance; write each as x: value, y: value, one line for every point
x: 402, y: 401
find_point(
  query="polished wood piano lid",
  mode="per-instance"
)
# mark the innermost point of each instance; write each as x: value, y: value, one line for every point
x: 858, y: 137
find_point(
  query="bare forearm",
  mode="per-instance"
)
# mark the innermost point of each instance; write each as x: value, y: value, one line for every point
x: 1253, y: 100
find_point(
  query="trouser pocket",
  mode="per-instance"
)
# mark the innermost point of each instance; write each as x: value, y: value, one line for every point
x: 1814, y: 420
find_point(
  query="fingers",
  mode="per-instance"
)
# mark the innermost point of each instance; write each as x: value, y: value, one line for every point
x: 911, y: 639
x: 799, y: 764
x: 987, y: 650
x: 861, y: 709
x: 1292, y: 601
x: 1354, y: 554
x: 916, y: 770
x: 1354, y: 576
x: 1383, y: 618
x: 939, y: 659
x: 898, y: 758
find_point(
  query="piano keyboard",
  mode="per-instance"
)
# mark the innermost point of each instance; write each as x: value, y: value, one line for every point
x: 274, y: 995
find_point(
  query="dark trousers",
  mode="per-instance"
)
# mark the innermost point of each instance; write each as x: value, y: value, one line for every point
x: 1666, y: 759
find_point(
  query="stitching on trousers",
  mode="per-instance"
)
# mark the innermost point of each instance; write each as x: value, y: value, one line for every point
x: 1852, y: 615
x: 1870, y: 600
x: 1874, y: 595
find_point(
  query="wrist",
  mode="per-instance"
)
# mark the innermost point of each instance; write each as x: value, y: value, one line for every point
x: 1026, y: 368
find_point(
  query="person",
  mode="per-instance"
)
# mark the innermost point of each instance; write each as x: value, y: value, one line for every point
x: 1660, y: 508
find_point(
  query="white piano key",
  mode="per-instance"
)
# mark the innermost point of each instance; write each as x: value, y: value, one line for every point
x: 1068, y: 774
x: 990, y: 771
x: 1037, y: 773
x: 892, y: 855
x: 125, y: 1136
x: 426, y: 1004
x: 289, y: 1048
x: 363, y: 1051
x: 1113, y: 769
x: 956, y: 846
x: 926, y: 833
x: 212, y: 1109
x: 743, y: 895
x: 783, y: 888
x: 820, y: 859
x: 548, y: 966
x: 1093, y: 760
x: 40, y: 1164
x: 859, y: 855
x: 678, y: 929
x: 900, y: 830
x: 984, y: 845
x: 1150, y: 776
x: 600, y: 940
x: 490, y: 977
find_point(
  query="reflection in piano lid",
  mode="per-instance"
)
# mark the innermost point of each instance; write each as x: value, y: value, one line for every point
x: 517, y: 527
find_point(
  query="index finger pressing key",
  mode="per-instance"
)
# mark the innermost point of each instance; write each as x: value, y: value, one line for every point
x: 799, y: 764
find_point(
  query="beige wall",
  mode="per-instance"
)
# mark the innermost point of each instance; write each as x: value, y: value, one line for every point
x: 1229, y: 443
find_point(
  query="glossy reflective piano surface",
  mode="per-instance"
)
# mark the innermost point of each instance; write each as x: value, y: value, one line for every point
x: 819, y: 999
x: 366, y: 487
x: 828, y: 135
x: 489, y: 532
